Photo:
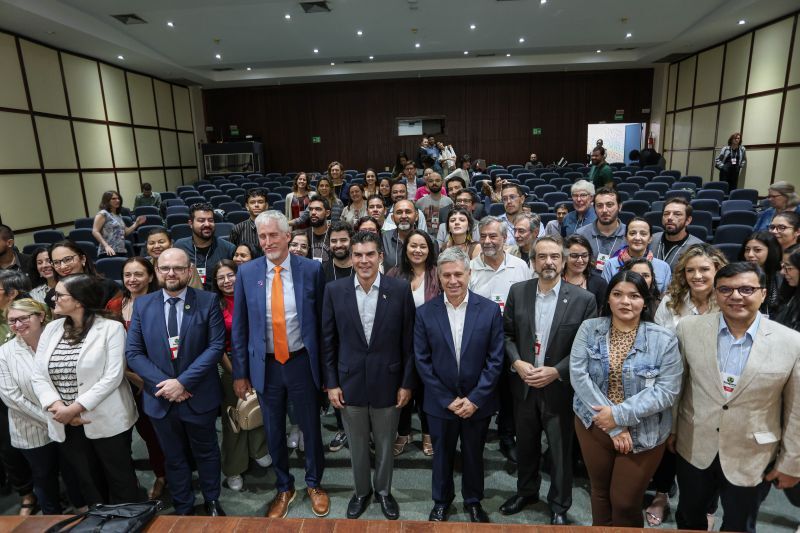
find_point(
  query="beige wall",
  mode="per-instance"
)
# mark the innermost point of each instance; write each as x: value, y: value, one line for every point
x: 749, y: 84
x: 72, y: 127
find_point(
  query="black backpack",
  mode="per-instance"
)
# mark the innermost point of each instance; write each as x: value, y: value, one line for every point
x: 121, y: 518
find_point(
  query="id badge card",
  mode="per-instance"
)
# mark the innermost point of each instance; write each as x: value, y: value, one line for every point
x: 174, y: 344
x: 733, y: 161
x: 537, y: 351
x: 729, y: 382
x: 202, y: 273
x: 601, y: 261
x: 319, y: 259
x: 435, y: 222
x: 496, y: 298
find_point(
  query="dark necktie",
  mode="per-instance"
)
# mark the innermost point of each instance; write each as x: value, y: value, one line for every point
x: 172, y: 326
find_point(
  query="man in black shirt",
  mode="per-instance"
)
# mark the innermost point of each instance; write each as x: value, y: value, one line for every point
x: 320, y: 212
x: 670, y: 244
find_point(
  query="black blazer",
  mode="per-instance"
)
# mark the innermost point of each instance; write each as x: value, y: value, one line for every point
x: 574, y: 305
x: 369, y: 374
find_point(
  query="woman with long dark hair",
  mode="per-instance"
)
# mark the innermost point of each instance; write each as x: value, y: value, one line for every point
x: 460, y: 225
x: 297, y: 200
x: 385, y: 191
x: 44, y: 279
x: 643, y: 267
x: 67, y: 258
x: 762, y: 248
x: 731, y: 160
x: 109, y: 227
x: 789, y: 314
x: 580, y: 269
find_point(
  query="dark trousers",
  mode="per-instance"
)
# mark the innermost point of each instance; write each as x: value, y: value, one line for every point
x: 618, y: 480
x: 445, y: 435
x: 18, y: 473
x: 145, y: 429
x: 413, y: 406
x: 533, y: 417
x: 730, y: 175
x: 104, y: 466
x: 700, y: 488
x: 181, y: 434
x: 292, y: 381
x: 505, y: 414
x: 46, y: 462
x: 665, y: 474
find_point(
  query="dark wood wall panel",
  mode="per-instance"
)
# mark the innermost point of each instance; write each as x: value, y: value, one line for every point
x: 486, y: 116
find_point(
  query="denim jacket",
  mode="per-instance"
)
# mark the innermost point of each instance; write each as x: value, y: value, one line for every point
x: 651, y: 380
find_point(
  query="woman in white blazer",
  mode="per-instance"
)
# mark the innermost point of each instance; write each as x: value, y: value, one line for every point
x: 79, y: 380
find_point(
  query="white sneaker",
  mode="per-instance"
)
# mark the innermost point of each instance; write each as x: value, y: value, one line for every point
x: 235, y: 482
x: 264, y: 461
x: 294, y: 438
x: 301, y: 445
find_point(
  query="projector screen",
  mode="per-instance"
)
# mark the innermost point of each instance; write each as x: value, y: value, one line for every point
x: 618, y: 139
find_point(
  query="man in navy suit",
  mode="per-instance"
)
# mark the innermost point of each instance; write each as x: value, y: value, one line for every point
x: 458, y: 340
x: 368, y: 358
x: 275, y: 350
x: 175, y: 341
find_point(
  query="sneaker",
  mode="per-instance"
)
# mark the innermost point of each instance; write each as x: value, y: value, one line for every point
x: 265, y: 461
x: 294, y: 438
x: 301, y: 445
x: 235, y: 482
x: 338, y: 442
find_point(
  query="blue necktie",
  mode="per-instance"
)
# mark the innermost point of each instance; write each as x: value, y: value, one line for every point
x: 172, y: 326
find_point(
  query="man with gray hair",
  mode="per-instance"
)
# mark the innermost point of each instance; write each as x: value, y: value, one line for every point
x: 582, y: 194
x: 458, y: 344
x: 526, y: 230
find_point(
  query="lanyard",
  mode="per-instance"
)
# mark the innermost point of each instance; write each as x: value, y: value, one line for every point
x: 335, y: 277
x: 661, y: 248
x: 597, y: 242
x: 205, y: 259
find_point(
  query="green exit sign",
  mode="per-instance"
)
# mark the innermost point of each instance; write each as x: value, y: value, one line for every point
x: 618, y: 117
x: 537, y: 131
x: 316, y: 140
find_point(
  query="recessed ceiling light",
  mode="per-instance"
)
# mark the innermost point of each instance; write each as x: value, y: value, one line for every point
x: 316, y: 50
x: 416, y: 45
x: 521, y: 40
x: 598, y: 51
x: 472, y: 26
x: 742, y: 21
x: 287, y: 16
x: 249, y: 69
x: 333, y: 64
x: 628, y: 35
x: 508, y: 55
x: 170, y: 24
x: 121, y: 58
x: 218, y: 56
x: 466, y: 52
x: 359, y: 33
x: 371, y: 58
x: 542, y: 2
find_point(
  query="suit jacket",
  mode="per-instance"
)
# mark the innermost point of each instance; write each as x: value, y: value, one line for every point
x: 102, y: 389
x: 481, y: 356
x: 202, y: 343
x: 248, y: 333
x: 758, y: 422
x: 368, y: 373
x: 573, y: 306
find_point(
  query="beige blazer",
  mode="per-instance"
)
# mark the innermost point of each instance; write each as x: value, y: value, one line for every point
x: 759, y: 421
x: 102, y: 389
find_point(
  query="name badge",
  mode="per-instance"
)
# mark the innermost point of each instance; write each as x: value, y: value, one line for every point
x: 729, y: 382
x: 537, y: 351
x: 733, y: 161
x: 318, y: 259
x: 174, y: 344
x: 496, y: 298
x: 202, y: 273
x: 601, y: 261
x: 435, y: 222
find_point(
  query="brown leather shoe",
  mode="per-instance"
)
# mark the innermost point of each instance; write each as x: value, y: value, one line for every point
x: 320, y: 503
x: 279, y: 506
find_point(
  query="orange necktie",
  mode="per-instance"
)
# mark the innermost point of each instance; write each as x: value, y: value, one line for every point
x: 279, y: 339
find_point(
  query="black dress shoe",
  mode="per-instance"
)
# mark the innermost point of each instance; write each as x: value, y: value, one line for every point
x: 439, y: 513
x: 508, y: 447
x: 358, y: 505
x: 476, y: 513
x: 389, y: 506
x: 517, y: 503
x: 213, y: 508
x: 558, y: 519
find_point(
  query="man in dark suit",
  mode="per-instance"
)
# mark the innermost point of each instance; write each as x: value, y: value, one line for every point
x: 458, y: 343
x: 541, y: 319
x: 175, y: 341
x: 275, y: 350
x: 368, y: 361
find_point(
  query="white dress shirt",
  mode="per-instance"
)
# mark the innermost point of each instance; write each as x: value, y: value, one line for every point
x: 293, y: 332
x: 495, y: 284
x: 27, y: 424
x: 456, y: 316
x: 367, y: 302
x: 179, y: 306
x: 545, y: 310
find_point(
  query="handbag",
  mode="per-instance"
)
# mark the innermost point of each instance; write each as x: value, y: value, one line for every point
x: 120, y: 518
x: 246, y: 415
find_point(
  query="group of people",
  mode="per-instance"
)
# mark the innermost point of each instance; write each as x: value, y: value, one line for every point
x: 644, y: 357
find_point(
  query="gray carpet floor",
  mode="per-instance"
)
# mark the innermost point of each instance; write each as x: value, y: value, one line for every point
x: 412, y: 489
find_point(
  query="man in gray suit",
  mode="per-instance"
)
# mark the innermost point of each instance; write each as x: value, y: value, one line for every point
x: 540, y: 321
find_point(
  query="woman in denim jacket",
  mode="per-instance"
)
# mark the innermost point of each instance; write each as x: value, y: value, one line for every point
x: 626, y: 372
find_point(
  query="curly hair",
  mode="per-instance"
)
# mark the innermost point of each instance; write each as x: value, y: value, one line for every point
x: 679, y: 288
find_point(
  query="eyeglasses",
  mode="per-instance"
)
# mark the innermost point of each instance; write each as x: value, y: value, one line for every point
x: 780, y: 228
x: 230, y: 276
x: 65, y: 261
x: 744, y: 290
x: 510, y: 198
x: 177, y: 270
x: 20, y: 320
x: 465, y: 201
x: 581, y: 196
x: 579, y: 257
x: 58, y: 295
x: 299, y: 245
x: 787, y: 266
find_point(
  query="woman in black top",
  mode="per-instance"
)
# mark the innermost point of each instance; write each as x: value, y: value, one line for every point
x: 580, y: 269
x: 763, y: 249
x: 789, y: 313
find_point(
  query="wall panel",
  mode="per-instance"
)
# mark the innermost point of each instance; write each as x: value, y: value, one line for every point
x: 166, y: 115
x: 700, y: 163
x: 66, y: 188
x: 44, y: 78
x: 83, y: 87
x: 17, y: 142
x: 123, y: 146
x: 709, y: 76
x: 94, y: 151
x: 12, y: 90
x: 759, y: 169
x: 761, y: 118
x: 149, y: 146
x: 686, y: 73
x: 23, y: 199
x: 771, y: 47
x: 736, y: 59
x: 788, y: 163
x: 790, y: 132
x: 143, y: 104
x: 704, y: 122
x: 183, y: 107
x: 116, y: 93
x: 129, y: 185
x: 55, y: 138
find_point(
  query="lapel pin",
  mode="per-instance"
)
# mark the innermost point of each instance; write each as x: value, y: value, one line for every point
x: 260, y: 283
x: 565, y: 300
x: 384, y: 296
x: 187, y: 307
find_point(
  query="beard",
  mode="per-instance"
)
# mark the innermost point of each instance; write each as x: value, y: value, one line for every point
x: 340, y: 253
x: 317, y: 222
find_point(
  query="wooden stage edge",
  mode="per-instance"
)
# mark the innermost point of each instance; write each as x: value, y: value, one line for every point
x: 244, y: 524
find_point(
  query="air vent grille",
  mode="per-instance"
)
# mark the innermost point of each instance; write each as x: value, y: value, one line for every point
x: 316, y: 7
x: 130, y: 18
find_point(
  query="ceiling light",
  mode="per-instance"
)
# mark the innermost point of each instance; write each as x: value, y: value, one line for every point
x: 359, y: 33
x: 521, y: 40
x: 472, y: 26
x: 333, y: 64
x: 466, y: 52
x: 121, y: 58
x: 218, y: 56
x: 542, y: 2
x: 416, y: 45
x: 598, y: 51
x: 371, y: 58
x: 316, y: 50
x: 508, y: 55
x: 249, y: 69
x: 628, y: 35
x: 742, y: 21
x: 287, y: 16
x: 170, y: 24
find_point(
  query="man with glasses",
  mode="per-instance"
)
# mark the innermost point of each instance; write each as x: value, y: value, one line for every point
x: 526, y: 231
x: 464, y: 199
x: 204, y: 248
x: 175, y: 342
x: 512, y: 197
x: 736, y: 429
x: 583, y: 211
x: 245, y: 231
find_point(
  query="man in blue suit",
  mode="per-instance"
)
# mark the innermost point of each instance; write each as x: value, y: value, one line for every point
x: 176, y: 339
x: 368, y: 362
x: 458, y: 340
x: 275, y: 350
